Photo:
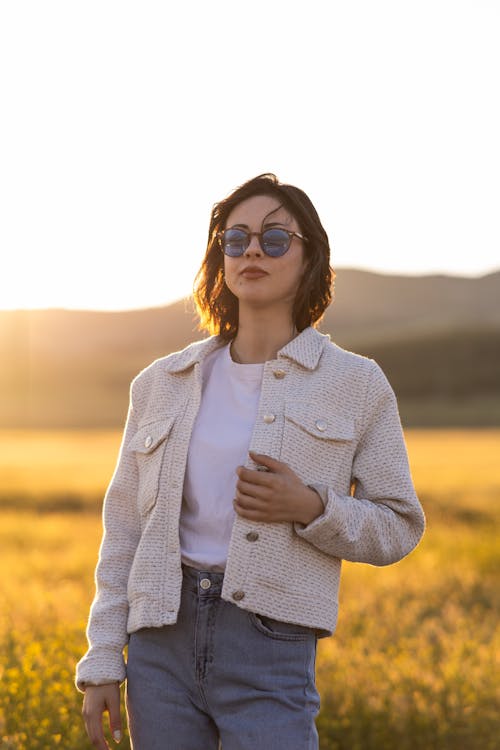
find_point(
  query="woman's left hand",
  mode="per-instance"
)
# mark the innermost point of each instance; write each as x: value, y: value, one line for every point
x: 276, y: 494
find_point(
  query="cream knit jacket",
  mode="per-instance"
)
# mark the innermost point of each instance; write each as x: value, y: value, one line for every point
x: 332, y: 417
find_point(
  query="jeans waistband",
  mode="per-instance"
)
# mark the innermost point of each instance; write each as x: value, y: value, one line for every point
x: 205, y: 582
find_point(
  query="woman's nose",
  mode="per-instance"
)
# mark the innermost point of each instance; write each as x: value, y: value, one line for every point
x: 254, y: 248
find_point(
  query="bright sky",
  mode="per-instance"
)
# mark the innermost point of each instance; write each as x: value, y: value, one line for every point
x: 122, y: 123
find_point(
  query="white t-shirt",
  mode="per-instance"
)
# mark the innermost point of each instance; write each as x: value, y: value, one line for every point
x: 219, y: 444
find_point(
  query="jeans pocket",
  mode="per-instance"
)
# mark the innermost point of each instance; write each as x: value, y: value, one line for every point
x: 282, y: 631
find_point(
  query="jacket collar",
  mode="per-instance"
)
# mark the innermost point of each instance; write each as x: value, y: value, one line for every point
x: 305, y: 349
x: 192, y: 354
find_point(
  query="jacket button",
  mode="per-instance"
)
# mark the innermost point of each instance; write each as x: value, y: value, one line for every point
x: 269, y: 418
x: 252, y: 536
x: 238, y: 595
x: 279, y: 374
x: 148, y: 442
x: 321, y: 425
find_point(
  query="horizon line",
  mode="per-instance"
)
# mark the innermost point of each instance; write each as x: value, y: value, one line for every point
x: 189, y: 299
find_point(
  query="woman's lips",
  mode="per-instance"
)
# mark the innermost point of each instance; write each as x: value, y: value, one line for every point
x: 253, y: 272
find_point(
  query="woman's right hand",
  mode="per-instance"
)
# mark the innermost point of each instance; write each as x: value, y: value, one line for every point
x: 97, y: 700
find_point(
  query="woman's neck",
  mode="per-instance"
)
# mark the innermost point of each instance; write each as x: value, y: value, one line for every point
x: 260, y: 340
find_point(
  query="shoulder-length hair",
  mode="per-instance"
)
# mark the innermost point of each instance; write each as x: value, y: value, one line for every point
x: 217, y: 306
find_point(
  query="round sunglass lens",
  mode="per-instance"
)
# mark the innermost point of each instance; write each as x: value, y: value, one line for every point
x: 276, y: 242
x: 235, y: 242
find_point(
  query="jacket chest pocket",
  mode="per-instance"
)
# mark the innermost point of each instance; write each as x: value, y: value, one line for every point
x: 318, y: 444
x: 149, y: 445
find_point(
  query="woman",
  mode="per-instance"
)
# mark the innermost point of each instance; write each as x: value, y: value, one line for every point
x: 252, y: 463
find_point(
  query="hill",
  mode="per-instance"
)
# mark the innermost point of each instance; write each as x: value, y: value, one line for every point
x: 437, y: 338
x: 373, y: 307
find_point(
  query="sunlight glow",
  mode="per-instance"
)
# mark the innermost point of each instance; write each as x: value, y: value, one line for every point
x: 123, y: 125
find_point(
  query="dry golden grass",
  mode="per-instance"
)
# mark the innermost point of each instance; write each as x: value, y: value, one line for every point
x: 413, y: 665
x: 444, y: 461
x: 56, y: 463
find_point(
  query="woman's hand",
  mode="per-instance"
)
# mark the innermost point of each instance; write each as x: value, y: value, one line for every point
x: 97, y: 700
x: 276, y: 494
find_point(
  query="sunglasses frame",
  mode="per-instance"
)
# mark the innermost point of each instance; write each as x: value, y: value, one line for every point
x: 291, y: 235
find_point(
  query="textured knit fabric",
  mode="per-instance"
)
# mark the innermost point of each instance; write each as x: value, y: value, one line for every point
x: 332, y: 417
x: 219, y: 444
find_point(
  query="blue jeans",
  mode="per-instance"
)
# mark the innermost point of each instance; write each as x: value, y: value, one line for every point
x: 221, y: 672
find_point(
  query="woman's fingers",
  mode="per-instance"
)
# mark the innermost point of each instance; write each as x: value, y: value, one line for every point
x: 250, y: 502
x: 273, y: 492
x: 97, y: 700
x: 253, y: 512
x: 259, y: 509
x: 93, y: 725
x: 252, y: 490
x: 254, y: 476
x: 272, y: 464
x: 115, y: 721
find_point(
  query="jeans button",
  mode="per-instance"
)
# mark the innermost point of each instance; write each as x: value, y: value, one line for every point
x: 205, y: 583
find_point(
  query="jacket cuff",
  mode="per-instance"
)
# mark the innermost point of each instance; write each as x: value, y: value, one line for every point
x: 100, y: 668
x: 323, y: 523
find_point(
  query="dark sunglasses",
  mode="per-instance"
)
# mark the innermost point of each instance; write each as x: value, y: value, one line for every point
x: 274, y: 242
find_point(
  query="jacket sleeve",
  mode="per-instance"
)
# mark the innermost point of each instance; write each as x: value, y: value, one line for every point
x: 383, y: 520
x: 107, y: 625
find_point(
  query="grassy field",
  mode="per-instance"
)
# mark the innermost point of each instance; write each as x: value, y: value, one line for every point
x: 412, y: 665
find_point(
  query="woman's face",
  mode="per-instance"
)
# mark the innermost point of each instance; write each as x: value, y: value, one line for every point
x: 256, y: 279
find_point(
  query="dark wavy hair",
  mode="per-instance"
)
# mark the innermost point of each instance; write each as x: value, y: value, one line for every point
x: 217, y: 306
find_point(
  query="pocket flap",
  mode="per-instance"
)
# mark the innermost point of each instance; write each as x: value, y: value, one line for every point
x: 326, y: 426
x: 149, y: 437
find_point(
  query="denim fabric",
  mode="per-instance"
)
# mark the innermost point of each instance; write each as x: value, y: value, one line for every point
x: 221, y: 672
